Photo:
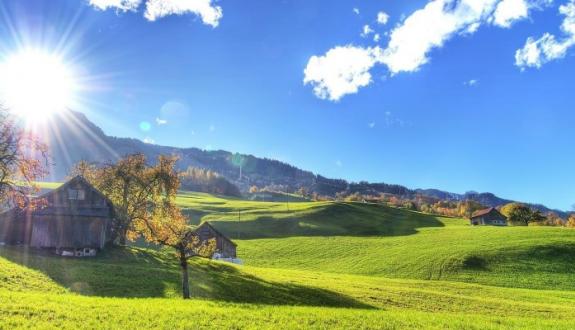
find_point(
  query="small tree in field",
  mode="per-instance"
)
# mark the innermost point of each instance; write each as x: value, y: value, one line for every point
x: 167, y: 226
x: 144, y: 198
x: 23, y: 160
x: 169, y: 229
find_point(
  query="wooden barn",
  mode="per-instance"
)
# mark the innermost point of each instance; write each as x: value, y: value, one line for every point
x: 225, y: 248
x: 488, y: 216
x: 75, y: 219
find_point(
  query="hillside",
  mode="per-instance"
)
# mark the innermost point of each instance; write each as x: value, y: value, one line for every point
x: 336, y: 265
x: 370, y: 239
x: 77, y: 138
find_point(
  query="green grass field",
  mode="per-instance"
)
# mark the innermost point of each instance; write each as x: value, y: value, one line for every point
x: 308, y: 265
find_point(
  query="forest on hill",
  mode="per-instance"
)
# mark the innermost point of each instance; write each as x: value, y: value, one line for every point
x: 80, y: 139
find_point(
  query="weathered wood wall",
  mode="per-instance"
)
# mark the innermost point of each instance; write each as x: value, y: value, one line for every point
x: 223, y: 245
x: 64, y: 222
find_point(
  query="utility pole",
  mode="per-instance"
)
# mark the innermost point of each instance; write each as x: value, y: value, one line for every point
x: 287, y: 199
x: 239, y: 220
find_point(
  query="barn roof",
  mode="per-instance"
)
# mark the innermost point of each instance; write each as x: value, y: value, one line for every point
x: 205, y: 223
x: 61, y: 211
x: 484, y: 212
x: 77, y: 179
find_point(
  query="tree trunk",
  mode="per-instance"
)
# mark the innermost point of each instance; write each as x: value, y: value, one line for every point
x: 122, y: 233
x: 185, y: 276
x: 123, y: 238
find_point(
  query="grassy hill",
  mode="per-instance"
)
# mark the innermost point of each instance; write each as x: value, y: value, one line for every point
x: 369, y: 239
x: 316, y: 265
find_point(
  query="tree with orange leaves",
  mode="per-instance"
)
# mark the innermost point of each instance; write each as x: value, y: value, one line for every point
x: 144, y: 202
x: 23, y: 160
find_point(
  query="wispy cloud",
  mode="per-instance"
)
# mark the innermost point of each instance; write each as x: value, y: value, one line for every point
x: 121, y: 5
x: 390, y: 120
x: 212, y: 128
x: 338, y: 163
x: 160, y: 121
x: 382, y: 18
x: 371, y: 125
x: 356, y: 11
x: 366, y: 31
x: 471, y: 82
x: 209, y: 13
x: 537, y: 52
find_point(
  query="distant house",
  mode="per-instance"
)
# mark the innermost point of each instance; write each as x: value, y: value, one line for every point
x: 75, y: 219
x: 488, y: 216
x: 225, y: 248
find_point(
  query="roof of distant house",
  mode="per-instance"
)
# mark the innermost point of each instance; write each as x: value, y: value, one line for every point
x: 484, y: 212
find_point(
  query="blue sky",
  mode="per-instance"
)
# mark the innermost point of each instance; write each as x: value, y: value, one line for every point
x: 466, y: 95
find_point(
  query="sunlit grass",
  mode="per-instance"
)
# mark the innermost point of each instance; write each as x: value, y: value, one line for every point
x: 345, y: 265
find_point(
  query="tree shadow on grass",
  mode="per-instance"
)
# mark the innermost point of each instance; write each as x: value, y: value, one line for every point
x: 138, y: 273
x: 337, y: 219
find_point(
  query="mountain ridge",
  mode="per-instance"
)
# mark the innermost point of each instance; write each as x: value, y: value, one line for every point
x: 77, y: 138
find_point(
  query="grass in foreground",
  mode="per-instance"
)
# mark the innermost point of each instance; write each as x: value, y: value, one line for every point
x: 72, y: 312
x: 142, y: 273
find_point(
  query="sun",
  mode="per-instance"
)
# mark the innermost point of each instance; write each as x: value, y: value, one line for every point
x: 35, y: 84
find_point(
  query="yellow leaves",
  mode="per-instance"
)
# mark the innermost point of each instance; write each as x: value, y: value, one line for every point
x: 22, y: 161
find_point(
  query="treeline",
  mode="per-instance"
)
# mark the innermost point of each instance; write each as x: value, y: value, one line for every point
x: 517, y: 213
x: 523, y: 215
x: 203, y: 180
x: 421, y: 203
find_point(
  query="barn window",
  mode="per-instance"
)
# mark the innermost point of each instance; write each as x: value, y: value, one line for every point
x: 76, y: 194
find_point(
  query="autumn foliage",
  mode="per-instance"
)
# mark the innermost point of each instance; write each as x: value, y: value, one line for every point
x: 144, y: 201
x: 23, y: 160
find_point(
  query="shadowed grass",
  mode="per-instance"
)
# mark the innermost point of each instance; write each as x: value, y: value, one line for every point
x: 347, y: 265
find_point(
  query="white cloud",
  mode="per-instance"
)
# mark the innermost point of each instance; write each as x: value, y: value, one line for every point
x: 356, y: 11
x: 429, y: 28
x: 341, y: 71
x: 535, y: 53
x: 392, y: 121
x: 149, y: 140
x: 155, y: 9
x: 376, y: 37
x: 209, y: 13
x: 412, y: 41
x: 471, y: 82
x: 121, y: 5
x: 382, y: 18
x: 509, y: 11
x: 366, y: 31
x: 160, y: 121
